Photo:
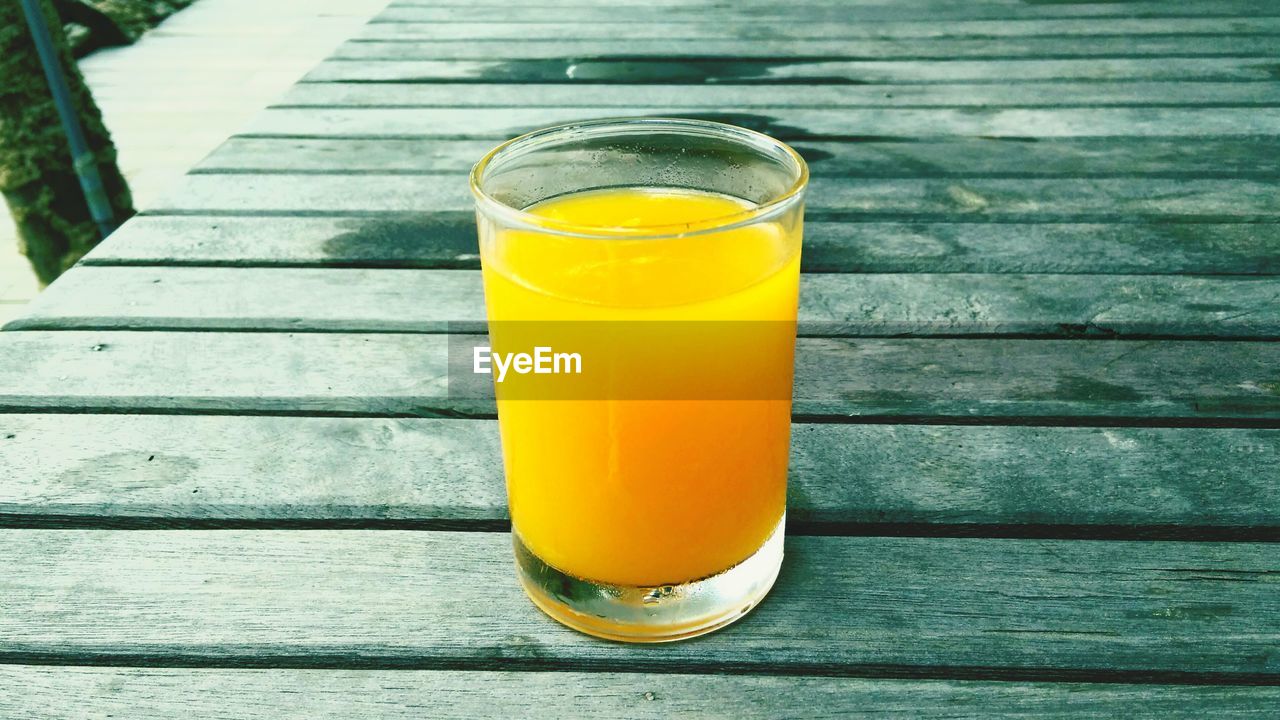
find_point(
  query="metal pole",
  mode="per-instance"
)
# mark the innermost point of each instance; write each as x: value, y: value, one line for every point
x: 81, y: 158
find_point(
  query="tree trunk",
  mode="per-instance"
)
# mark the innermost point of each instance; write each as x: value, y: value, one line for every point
x: 36, y: 175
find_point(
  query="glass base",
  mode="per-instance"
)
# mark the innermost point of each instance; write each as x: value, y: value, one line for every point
x: 659, y: 613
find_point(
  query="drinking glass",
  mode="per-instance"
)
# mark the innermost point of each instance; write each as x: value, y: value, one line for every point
x: 648, y: 490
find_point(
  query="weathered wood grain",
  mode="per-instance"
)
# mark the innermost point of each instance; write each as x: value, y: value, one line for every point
x: 841, y: 605
x: 865, y: 305
x: 1005, y: 381
x: 921, y: 7
x: 731, y: 28
x: 103, y: 468
x: 54, y: 693
x: 241, y: 154
x: 961, y: 157
x: 818, y: 13
x: 619, y: 69
x: 430, y: 240
x: 448, y: 240
x: 786, y: 123
x: 296, y: 372
x: 940, y: 199
x: 850, y: 49
x: 718, y: 98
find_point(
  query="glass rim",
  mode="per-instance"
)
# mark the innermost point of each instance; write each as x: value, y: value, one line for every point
x: 488, y: 204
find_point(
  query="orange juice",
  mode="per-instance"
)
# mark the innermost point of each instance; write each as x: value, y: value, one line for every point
x: 638, y: 490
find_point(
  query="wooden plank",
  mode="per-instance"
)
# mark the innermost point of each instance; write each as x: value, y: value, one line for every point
x: 431, y: 599
x: 821, y: 13
x: 956, y: 157
x: 239, y: 154
x: 847, y: 478
x: 266, y: 298
x: 865, y: 305
x: 971, y: 199
x: 731, y: 28
x: 784, y: 123
x: 613, y: 70
x: 920, y: 7
x: 800, y: 5
x: 893, y: 49
x: 278, y: 371
x: 53, y: 693
x: 430, y: 240
x: 712, y: 97
x: 448, y: 240
x: 1020, y: 381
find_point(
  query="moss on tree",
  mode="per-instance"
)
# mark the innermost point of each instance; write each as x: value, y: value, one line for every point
x: 36, y: 175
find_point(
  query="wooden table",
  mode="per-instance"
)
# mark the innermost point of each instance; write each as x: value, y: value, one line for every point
x: 1036, y: 460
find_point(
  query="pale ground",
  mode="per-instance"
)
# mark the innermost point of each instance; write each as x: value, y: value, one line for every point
x: 173, y: 96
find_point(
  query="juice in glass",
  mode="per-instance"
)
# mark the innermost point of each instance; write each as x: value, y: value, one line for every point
x: 647, y: 503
